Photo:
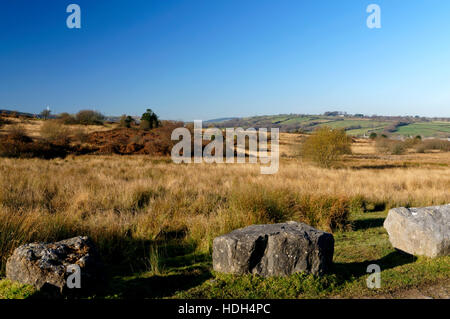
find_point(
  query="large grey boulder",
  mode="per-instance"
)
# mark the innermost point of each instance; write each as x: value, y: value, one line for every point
x: 47, y: 264
x: 420, y: 231
x: 274, y: 250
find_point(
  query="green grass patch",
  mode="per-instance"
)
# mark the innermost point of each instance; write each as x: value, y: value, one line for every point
x: 14, y: 290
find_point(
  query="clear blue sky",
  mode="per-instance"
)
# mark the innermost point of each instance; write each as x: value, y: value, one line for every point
x: 219, y: 58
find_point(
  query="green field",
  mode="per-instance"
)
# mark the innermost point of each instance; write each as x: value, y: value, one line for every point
x: 366, y: 126
x: 441, y: 129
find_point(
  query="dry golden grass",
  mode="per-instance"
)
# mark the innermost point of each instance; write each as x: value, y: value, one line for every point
x: 363, y: 146
x: 121, y: 201
x: 33, y: 127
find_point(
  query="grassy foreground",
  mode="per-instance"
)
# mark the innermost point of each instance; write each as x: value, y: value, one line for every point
x: 190, y: 276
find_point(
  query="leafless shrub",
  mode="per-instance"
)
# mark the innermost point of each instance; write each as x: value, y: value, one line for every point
x: 326, y: 145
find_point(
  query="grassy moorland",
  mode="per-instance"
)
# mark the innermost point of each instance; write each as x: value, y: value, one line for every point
x: 153, y: 221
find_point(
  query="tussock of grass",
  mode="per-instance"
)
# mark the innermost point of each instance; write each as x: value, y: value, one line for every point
x: 14, y: 290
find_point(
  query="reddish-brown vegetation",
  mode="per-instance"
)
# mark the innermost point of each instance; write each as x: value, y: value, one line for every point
x: 129, y: 141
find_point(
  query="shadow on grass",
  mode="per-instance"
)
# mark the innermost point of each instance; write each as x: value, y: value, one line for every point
x: 139, y: 286
x: 362, y: 224
x: 148, y: 269
x: 179, y: 267
x: 358, y: 269
x: 158, y: 286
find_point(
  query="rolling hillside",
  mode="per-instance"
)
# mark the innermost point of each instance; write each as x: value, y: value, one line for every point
x: 354, y: 125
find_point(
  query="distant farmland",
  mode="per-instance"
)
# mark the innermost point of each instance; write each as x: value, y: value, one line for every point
x: 355, y: 126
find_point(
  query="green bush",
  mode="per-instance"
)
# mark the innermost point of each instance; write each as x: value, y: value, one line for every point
x: 149, y: 120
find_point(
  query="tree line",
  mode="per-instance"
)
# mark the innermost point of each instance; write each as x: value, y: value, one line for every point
x: 148, y: 121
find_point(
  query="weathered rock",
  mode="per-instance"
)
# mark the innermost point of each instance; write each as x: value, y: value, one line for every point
x: 274, y: 250
x: 420, y: 231
x: 46, y: 264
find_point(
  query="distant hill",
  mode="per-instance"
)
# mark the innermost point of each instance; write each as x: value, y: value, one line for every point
x: 222, y: 119
x: 9, y: 112
x: 24, y: 114
x: 355, y: 125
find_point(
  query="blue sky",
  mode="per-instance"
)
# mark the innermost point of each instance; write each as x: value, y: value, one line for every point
x: 208, y: 59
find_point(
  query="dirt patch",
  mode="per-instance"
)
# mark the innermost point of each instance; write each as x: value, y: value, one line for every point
x: 435, y: 291
x: 439, y: 290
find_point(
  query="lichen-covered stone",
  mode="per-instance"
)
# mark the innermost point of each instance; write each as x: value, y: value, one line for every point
x: 46, y: 264
x: 274, y: 250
